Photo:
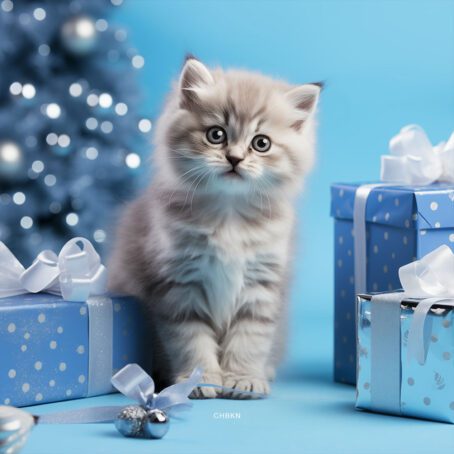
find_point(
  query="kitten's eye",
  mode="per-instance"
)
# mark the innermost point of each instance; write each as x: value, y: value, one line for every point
x: 216, y: 135
x: 261, y: 143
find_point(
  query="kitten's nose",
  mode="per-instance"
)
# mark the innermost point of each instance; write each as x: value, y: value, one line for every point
x: 234, y: 160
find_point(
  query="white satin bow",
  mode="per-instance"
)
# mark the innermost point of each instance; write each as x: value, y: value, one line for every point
x: 430, y: 278
x: 76, y: 273
x: 415, y: 161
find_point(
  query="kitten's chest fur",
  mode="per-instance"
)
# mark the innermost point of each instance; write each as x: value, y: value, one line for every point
x: 228, y: 258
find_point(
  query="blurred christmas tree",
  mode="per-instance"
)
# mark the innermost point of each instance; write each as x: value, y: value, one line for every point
x: 71, y: 139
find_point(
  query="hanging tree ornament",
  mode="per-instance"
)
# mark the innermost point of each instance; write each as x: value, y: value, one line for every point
x: 11, y: 157
x: 79, y: 35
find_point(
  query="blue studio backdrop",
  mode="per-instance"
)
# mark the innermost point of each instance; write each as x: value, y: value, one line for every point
x: 385, y: 64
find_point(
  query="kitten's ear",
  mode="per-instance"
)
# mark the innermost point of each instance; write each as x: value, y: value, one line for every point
x: 195, y: 76
x: 304, y: 97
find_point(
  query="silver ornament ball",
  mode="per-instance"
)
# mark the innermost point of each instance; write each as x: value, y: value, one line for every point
x: 130, y: 421
x: 156, y: 424
x: 79, y: 35
x: 15, y: 427
x: 11, y: 157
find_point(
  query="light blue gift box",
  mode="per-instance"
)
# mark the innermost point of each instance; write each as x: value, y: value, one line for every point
x: 419, y: 390
x: 53, y: 350
x: 403, y: 224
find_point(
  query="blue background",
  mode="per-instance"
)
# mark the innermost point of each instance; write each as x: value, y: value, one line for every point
x: 386, y: 64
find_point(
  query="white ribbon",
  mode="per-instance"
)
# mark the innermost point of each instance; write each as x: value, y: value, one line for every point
x: 76, y: 273
x: 431, y: 278
x: 415, y: 161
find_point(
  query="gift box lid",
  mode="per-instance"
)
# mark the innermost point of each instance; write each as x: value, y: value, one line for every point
x: 411, y: 207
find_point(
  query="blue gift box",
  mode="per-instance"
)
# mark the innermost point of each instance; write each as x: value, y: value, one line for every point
x: 402, y: 224
x: 47, y: 352
x: 420, y: 390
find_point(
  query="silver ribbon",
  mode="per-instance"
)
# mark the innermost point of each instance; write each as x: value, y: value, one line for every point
x: 415, y: 161
x: 385, y: 379
x: 100, y: 345
x: 76, y: 273
x: 359, y: 230
x: 135, y: 383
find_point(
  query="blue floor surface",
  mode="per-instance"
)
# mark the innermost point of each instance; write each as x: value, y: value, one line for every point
x: 306, y: 413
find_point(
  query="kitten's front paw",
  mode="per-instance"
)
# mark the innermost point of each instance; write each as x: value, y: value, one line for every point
x: 245, y: 383
x: 205, y: 392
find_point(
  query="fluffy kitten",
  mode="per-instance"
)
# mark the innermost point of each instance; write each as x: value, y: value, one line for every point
x: 207, y: 247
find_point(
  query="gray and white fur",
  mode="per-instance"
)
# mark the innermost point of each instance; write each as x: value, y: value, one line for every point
x: 207, y: 247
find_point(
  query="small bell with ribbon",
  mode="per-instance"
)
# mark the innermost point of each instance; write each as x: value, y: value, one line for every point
x: 149, y: 419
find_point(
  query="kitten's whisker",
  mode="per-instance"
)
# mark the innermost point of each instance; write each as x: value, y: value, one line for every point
x: 195, y: 189
x: 189, y: 171
x: 184, y: 180
x: 190, y: 187
x: 212, y: 175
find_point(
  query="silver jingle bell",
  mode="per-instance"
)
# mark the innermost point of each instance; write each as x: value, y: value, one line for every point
x: 15, y: 427
x: 156, y: 424
x: 130, y: 421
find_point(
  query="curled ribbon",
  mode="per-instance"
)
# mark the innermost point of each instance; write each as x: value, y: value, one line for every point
x: 431, y: 278
x: 76, y: 273
x: 415, y: 161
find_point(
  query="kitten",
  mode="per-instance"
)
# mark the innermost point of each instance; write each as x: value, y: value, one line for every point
x: 207, y: 247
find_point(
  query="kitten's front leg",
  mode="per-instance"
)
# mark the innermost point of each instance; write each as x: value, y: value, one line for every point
x: 189, y: 341
x: 247, y: 346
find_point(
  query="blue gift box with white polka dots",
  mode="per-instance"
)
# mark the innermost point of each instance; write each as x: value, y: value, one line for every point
x: 45, y: 344
x: 426, y: 390
x: 403, y: 224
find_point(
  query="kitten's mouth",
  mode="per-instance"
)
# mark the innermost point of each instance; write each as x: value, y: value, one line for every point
x: 232, y: 173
